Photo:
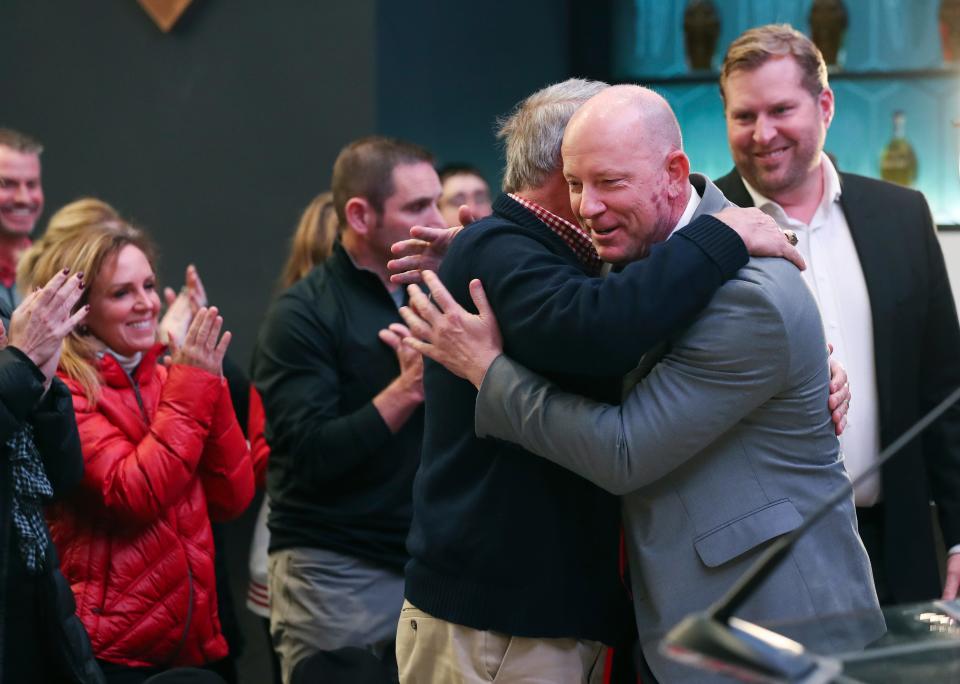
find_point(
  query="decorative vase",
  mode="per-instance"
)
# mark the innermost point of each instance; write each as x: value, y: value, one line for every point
x: 898, y: 162
x: 950, y: 29
x: 828, y: 24
x: 701, y: 28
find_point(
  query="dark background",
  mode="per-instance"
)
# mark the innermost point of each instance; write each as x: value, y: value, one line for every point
x: 216, y: 135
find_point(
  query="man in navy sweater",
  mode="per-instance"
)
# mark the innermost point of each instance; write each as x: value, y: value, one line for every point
x: 514, y: 568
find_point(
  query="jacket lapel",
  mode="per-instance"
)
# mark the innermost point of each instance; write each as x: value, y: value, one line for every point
x: 881, y: 271
x: 734, y: 190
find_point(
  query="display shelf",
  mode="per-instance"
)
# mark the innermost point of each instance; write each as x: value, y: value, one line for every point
x: 699, y: 77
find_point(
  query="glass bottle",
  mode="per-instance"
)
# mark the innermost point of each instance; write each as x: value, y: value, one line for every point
x: 898, y: 162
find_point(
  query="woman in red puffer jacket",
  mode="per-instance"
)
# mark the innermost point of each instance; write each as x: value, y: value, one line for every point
x: 163, y: 454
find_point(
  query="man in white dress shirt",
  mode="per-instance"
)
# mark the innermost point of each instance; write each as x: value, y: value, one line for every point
x: 877, y: 272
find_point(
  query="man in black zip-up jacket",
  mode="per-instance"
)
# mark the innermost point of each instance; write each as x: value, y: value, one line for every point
x: 344, y: 417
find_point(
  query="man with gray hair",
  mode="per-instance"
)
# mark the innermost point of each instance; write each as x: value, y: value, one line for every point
x: 21, y: 203
x: 724, y: 442
x: 514, y: 569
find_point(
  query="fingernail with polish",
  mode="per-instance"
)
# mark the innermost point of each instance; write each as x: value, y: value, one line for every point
x: 66, y: 271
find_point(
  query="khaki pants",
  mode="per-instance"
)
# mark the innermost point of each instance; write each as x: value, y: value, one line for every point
x: 430, y: 650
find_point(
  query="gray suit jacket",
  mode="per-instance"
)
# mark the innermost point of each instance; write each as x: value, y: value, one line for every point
x: 725, y: 445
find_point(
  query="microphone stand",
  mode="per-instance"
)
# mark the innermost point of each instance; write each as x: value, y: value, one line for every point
x: 747, y: 650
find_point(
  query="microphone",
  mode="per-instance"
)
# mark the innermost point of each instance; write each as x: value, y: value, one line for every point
x: 743, y: 649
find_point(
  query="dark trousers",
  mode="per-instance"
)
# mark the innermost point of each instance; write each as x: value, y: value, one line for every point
x: 870, y: 522
x: 274, y: 660
x: 121, y: 674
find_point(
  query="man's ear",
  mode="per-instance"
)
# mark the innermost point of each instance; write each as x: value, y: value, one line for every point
x: 360, y: 215
x: 825, y: 105
x: 678, y: 171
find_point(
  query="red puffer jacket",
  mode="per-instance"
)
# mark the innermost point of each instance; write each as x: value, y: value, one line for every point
x: 161, y: 458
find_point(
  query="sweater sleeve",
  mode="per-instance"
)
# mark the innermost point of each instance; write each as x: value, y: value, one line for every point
x: 21, y: 386
x: 259, y: 449
x: 226, y: 471
x: 57, y: 439
x: 139, y: 480
x: 298, y: 380
x: 556, y: 319
x: 55, y: 431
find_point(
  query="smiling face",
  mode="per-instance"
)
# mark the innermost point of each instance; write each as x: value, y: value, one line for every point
x: 124, y: 302
x: 626, y: 184
x: 21, y: 194
x: 776, y: 128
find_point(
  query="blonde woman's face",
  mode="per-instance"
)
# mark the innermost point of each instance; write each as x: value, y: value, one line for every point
x: 124, y: 303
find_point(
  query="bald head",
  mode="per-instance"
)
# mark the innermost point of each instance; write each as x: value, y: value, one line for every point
x: 632, y: 110
x: 628, y: 176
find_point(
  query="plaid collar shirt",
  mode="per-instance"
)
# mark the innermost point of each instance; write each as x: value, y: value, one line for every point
x: 574, y: 236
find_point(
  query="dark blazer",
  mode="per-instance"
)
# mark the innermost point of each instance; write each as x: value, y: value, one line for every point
x: 916, y: 342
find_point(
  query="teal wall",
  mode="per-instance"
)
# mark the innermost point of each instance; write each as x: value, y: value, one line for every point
x: 892, y: 59
x: 447, y: 70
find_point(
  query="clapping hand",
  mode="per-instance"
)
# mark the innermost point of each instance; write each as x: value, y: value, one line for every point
x: 44, y: 318
x: 410, y: 360
x: 182, y: 307
x: 201, y: 347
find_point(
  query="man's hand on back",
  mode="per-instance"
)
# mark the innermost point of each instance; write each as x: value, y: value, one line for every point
x: 424, y: 251
x: 760, y: 234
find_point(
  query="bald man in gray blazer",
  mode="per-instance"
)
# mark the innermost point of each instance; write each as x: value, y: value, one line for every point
x: 724, y: 440
x: 724, y: 446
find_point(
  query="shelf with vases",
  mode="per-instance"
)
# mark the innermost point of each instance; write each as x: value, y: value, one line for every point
x: 835, y: 74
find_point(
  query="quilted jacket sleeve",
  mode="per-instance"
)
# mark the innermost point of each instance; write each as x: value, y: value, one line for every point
x: 139, y: 480
x: 259, y: 449
x: 226, y: 471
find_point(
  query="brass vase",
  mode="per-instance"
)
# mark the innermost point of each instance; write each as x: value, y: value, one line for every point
x: 701, y: 28
x: 950, y: 30
x: 828, y: 24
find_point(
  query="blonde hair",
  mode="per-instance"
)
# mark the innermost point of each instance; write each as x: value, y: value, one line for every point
x: 82, y: 236
x: 313, y: 240
x: 753, y: 48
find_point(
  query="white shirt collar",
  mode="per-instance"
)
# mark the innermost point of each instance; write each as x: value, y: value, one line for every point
x: 687, y: 214
x: 831, y: 188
